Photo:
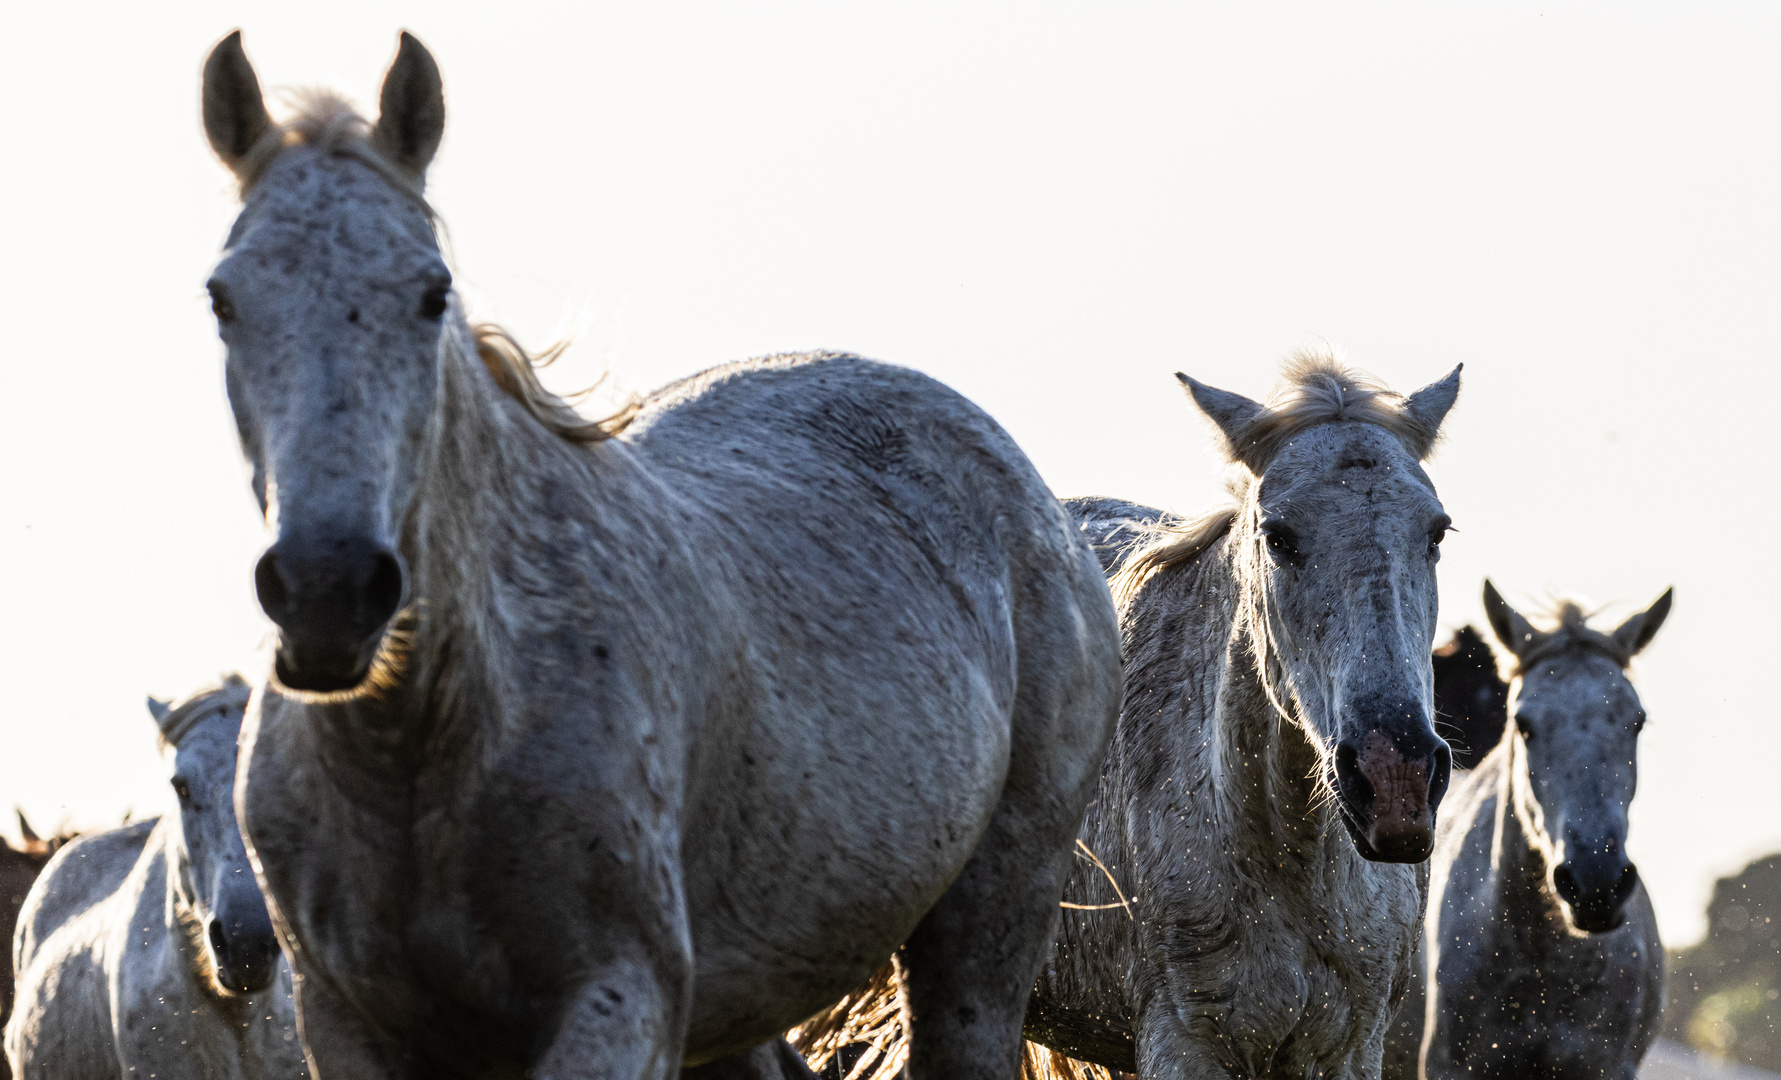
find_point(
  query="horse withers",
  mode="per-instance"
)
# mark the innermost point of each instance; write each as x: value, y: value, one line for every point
x: 801, y: 667
x: 1543, y: 951
x: 146, y: 950
x: 1250, y: 887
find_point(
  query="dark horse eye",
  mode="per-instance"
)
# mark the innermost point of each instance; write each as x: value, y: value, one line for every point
x: 181, y: 789
x: 1438, y: 532
x: 1282, y: 542
x: 220, y: 304
x: 1526, y: 729
x: 434, y: 300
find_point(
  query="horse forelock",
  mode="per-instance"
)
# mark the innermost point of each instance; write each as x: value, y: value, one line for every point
x: 1316, y: 387
x: 1571, y: 632
x: 232, y: 692
x: 323, y: 119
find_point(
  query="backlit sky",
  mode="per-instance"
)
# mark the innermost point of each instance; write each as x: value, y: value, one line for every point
x: 1050, y: 207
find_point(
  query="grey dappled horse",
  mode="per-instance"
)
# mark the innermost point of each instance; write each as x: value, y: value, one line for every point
x: 146, y: 951
x: 1542, y: 943
x: 589, y: 752
x: 1273, y: 782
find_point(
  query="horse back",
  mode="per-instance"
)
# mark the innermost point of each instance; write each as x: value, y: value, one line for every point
x: 85, y: 872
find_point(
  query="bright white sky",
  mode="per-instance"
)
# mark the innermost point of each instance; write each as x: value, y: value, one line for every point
x: 1052, y: 211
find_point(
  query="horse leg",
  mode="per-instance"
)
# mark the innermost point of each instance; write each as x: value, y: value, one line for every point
x: 1171, y: 1047
x: 336, y: 1039
x: 626, y: 1022
x: 972, y: 961
x: 775, y: 1060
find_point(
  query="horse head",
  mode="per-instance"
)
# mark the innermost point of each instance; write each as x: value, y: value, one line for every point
x: 1336, y: 543
x: 330, y: 301
x: 215, y: 880
x: 1575, y: 739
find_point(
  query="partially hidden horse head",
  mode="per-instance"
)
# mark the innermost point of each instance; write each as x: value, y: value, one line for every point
x: 333, y: 301
x: 214, y: 875
x: 1336, y: 537
x: 1574, y: 737
x: 1471, y: 698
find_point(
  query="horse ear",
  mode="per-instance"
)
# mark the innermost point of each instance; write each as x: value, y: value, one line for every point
x: 160, y: 710
x: 1515, y: 632
x: 235, y: 116
x: 1233, y: 413
x: 1428, y: 407
x: 1636, y: 633
x: 411, y: 109
x: 25, y: 829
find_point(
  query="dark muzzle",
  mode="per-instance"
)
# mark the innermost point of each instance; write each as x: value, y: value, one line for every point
x: 1390, y: 785
x: 242, y: 944
x: 1595, y: 881
x: 331, y: 602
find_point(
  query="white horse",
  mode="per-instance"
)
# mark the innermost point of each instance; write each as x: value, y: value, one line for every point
x: 1542, y: 944
x: 146, y: 951
x: 802, y: 668
x: 1248, y: 898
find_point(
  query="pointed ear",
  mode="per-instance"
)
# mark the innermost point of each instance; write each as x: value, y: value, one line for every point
x: 1233, y: 413
x: 1637, y: 632
x: 1515, y: 632
x: 1428, y: 407
x: 411, y: 109
x: 25, y: 829
x: 160, y: 710
x: 235, y: 116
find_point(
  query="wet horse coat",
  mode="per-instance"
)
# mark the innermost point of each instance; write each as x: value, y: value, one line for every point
x: 1248, y: 900
x: 803, y: 666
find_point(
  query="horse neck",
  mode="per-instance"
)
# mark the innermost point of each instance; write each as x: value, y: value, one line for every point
x: 184, y: 927
x: 1268, y: 769
x: 1518, y: 856
x: 466, y: 524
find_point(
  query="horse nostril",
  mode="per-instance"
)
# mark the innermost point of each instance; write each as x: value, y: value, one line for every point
x: 270, y: 585
x: 217, y: 940
x: 383, y: 589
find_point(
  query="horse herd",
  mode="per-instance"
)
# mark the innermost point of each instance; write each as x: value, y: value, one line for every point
x: 788, y: 710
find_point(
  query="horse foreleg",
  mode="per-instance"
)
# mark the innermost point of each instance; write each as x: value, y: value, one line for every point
x: 626, y: 1022
x: 769, y: 1061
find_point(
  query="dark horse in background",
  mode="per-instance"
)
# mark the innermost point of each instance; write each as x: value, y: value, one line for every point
x: 1471, y: 699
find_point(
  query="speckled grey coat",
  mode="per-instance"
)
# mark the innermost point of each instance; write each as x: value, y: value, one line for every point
x: 678, y: 734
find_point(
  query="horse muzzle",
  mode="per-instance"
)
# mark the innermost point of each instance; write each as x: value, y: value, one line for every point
x: 243, y: 947
x: 331, y: 602
x: 1389, y: 788
x: 1595, y: 886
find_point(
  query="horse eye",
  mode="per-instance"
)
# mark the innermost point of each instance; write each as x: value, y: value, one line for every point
x: 181, y: 788
x: 1438, y: 532
x: 220, y: 304
x: 1281, y: 541
x: 1526, y: 729
x: 434, y: 301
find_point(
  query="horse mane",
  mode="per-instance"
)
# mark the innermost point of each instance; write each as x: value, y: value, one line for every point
x: 1571, y: 632
x: 326, y: 121
x: 231, y: 692
x: 1315, y: 388
x: 516, y: 372
x: 1165, y: 545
